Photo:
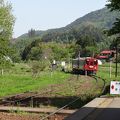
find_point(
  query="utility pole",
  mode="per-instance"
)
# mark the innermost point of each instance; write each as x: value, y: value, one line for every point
x: 78, y: 63
x: 116, y: 47
x: 78, y: 59
x: 110, y: 68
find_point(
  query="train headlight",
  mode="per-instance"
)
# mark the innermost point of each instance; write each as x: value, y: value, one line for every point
x: 90, y: 66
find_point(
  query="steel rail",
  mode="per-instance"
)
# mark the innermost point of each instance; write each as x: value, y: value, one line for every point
x: 62, y: 108
x: 96, y: 78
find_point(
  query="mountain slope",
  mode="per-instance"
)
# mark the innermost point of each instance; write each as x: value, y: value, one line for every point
x: 101, y: 19
x: 90, y: 25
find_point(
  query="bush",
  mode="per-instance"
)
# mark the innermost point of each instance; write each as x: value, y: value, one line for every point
x: 37, y: 67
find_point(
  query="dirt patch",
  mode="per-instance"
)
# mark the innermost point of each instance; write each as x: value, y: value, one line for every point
x: 18, y: 116
x: 13, y: 116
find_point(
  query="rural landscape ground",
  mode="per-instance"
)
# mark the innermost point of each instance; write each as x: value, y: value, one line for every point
x: 51, y: 90
x: 49, y: 73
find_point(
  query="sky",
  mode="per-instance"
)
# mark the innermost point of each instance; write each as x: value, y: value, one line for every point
x: 48, y: 14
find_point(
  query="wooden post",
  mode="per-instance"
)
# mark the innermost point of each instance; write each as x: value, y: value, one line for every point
x: 116, y: 57
x: 110, y: 68
x: 2, y: 71
x: 31, y: 103
x: 85, y: 72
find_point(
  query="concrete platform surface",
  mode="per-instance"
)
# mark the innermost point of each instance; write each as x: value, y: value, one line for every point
x: 98, y: 109
x: 86, y: 110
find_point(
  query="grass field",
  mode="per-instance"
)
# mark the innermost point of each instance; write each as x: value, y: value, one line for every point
x: 19, y: 79
x: 104, y: 72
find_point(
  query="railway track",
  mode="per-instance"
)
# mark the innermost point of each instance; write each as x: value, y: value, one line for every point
x: 75, y: 100
x: 14, y: 100
x: 104, y: 82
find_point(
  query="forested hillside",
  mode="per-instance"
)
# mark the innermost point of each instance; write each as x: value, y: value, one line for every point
x: 85, y: 31
x: 101, y: 18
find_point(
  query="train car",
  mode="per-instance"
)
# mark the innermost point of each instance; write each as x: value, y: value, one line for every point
x: 106, y: 55
x: 86, y: 65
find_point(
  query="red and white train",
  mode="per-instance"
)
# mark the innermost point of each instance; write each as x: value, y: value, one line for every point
x: 88, y: 65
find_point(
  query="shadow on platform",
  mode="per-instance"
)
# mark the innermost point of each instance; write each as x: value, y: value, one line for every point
x: 89, y: 113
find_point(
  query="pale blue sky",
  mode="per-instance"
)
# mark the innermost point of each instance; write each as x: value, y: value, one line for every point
x: 47, y: 14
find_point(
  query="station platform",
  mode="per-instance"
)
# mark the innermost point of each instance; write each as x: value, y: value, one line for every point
x: 98, y: 109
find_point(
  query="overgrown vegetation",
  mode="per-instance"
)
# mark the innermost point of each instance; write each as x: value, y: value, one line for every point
x: 87, y: 32
x: 19, y: 79
x: 31, y: 56
x: 104, y: 72
x: 6, y: 28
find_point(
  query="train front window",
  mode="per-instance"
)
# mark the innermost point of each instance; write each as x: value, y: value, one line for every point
x: 104, y: 54
x: 91, y: 63
x: 87, y: 62
x: 95, y: 62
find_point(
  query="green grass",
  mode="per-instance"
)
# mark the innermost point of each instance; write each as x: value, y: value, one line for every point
x: 19, y: 79
x: 104, y: 72
x: 112, y: 64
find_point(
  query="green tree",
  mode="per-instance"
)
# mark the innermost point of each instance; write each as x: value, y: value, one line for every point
x: 92, y: 51
x: 27, y: 51
x: 6, y: 29
x: 37, y: 67
x: 114, y: 5
x: 31, y: 33
x: 35, y: 53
